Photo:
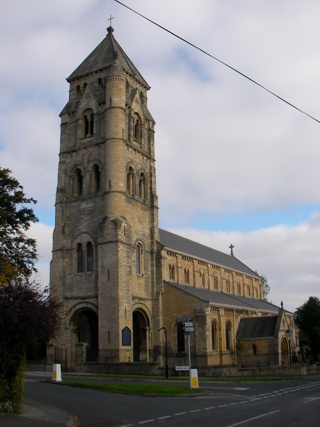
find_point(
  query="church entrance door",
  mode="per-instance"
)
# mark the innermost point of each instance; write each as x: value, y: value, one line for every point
x: 85, y: 323
x: 140, y: 336
x: 285, y: 352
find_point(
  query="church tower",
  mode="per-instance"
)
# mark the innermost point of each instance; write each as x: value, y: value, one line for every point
x: 103, y: 266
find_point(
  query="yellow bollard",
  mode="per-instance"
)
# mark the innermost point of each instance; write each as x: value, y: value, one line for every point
x: 75, y: 422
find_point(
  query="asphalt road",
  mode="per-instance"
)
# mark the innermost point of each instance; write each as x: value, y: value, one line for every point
x: 287, y: 403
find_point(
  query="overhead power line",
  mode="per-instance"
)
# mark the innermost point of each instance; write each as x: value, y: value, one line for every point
x: 221, y: 62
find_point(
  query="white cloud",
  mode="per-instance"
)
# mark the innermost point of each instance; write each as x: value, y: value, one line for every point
x: 223, y: 145
x: 287, y: 256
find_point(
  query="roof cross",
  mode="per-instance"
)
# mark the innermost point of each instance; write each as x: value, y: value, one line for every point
x: 231, y: 248
x: 110, y: 19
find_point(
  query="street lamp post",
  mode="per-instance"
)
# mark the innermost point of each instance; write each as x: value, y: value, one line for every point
x: 166, y: 342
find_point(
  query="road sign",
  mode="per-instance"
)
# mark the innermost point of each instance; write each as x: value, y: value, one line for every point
x: 182, y: 368
x: 184, y: 319
x: 188, y: 324
x: 189, y: 329
x: 187, y: 333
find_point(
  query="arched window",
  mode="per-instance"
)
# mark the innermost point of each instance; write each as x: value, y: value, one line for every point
x: 100, y: 83
x: 228, y: 285
x: 254, y: 349
x: 139, y: 258
x: 214, y: 335
x: 171, y: 272
x: 239, y: 288
x: 78, y: 183
x: 228, y: 336
x: 215, y: 283
x: 89, y: 256
x: 130, y: 181
x: 136, y: 128
x: 187, y: 276
x: 95, y: 179
x: 202, y: 279
x: 142, y: 186
x: 88, y: 124
x: 79, y: 258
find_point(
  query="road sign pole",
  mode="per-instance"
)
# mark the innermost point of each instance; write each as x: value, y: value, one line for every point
x: 189, y: 357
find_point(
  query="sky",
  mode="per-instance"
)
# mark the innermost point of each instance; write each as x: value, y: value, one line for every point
x: 235, y: 165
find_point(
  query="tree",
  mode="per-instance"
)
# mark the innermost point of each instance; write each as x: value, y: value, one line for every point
x: 26, y: 313
x: 18, y: 253
x: 307, y: 318
x: 265, y: 286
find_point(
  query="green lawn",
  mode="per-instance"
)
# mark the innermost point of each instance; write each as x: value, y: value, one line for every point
x: 142, y: 389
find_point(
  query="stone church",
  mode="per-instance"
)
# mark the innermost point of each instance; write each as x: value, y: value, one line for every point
x: 128, y: 287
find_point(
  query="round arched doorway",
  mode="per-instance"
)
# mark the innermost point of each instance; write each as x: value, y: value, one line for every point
x: 85, y: 326
x: 140, y: 336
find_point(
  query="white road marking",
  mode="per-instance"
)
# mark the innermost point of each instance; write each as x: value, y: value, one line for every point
x: 311, y: 399
x: 252, y: 419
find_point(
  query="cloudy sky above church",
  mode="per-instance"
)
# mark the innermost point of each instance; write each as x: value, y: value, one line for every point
x: 234, y: 163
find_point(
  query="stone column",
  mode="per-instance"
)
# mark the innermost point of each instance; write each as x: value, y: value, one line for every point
x: 50, y: 357
x: 81, y: 356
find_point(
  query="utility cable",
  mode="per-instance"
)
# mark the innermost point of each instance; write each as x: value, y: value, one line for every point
x: 221, y: 62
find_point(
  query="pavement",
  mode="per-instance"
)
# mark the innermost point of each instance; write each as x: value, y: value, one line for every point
x: 38, y: 414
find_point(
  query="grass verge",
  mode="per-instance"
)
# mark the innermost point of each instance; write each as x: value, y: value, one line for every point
x: 142, y: 389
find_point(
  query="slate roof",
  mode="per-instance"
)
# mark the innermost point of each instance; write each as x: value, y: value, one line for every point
x: 103, y: 56
x: 196, y: 250
x: 257, y: 327
x: 223, y: 299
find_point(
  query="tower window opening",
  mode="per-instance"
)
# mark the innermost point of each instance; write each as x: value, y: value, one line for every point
x: 137, y: 128
x: 139, y: 258
x: 88, y: 120
x: 79, y: 258
x: 78, y: 183
x: 130, y: 181
x: 89, y: 257
x: 96, y: 179
x: 100, y: 83
x: 142, y: 186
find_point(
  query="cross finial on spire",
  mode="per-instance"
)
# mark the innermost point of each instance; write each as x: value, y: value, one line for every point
x: 231, y: 249
x: 110, y: 29
x: 110, y: 19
